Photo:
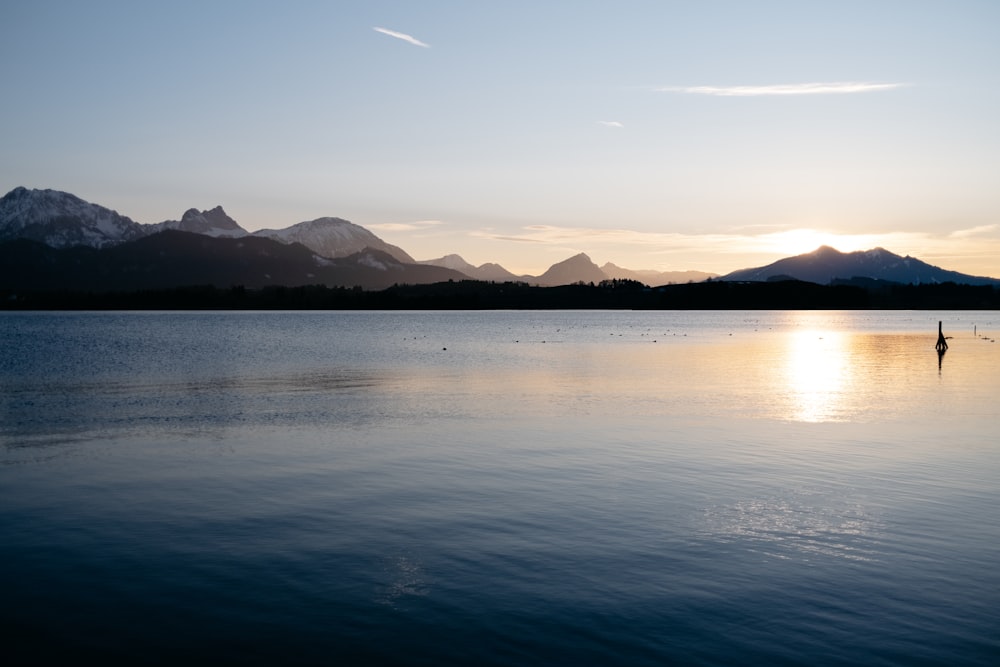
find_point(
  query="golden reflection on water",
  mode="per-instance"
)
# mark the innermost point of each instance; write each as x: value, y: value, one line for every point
x: 808, y: 375
x: 807, y: 371
x: 824, y: 375
x: 818, y: 374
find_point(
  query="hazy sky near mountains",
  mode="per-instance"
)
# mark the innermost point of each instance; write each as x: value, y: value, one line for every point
x: 656, y: 135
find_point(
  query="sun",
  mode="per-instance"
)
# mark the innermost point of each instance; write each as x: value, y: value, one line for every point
x: 800, y: 241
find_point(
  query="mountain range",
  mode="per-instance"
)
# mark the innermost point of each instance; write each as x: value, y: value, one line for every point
x: 826, y: 265
x: 55, y: 240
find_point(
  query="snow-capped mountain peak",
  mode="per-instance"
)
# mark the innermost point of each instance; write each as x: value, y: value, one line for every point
x: 214, y: 222
x: 60, y: 220
x: 334, y: 237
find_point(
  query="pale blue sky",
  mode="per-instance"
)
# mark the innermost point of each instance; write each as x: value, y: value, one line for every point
x: 667, y: 135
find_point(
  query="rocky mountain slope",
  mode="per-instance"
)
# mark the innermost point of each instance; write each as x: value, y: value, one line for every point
x: 210, y: 223
x: 334, y: 237
x: 61, y: 220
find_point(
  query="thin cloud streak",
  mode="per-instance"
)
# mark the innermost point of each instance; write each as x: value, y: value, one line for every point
x: 769, y: 243
x: 974, y: 231
x: 515, y: 239
x: 833, y: 88
x: 403, y: 36
x: 581, y: 237
x: 611, y: 123
x: 417, y: 226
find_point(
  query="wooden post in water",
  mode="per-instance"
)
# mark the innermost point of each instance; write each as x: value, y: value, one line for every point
x: 941, y: 344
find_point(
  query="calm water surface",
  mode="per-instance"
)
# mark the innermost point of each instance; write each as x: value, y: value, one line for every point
x: 699, y: 488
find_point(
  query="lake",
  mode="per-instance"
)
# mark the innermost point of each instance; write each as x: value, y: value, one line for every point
x: 505, y: 488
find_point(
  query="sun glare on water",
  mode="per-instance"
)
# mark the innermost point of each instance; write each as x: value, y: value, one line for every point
x: 817, y: 375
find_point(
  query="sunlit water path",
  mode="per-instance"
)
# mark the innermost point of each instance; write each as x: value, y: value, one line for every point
x: 500, y: 488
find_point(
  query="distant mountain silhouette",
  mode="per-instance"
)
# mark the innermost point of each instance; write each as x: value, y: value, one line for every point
x: 576, y: 269
x: 172, y: 258
x: 488, y: 271
x: 826, y: 264
x: 655, y: 278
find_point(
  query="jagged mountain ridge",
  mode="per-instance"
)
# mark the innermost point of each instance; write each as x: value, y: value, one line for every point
x: 215, y: 222
x: 76, y: 222
x: 62, y: 220
x: 826, y: 264
x: 573, y: 270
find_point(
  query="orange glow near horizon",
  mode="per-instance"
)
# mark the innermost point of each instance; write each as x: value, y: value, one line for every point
x: 800, y: 241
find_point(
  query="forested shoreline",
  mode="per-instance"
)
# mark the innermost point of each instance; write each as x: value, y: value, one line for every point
x: 480, y: 295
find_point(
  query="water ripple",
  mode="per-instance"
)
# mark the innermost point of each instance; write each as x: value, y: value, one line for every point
x: 798, y: 526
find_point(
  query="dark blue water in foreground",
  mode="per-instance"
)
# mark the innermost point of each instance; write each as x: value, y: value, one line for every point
x: 499, y: 488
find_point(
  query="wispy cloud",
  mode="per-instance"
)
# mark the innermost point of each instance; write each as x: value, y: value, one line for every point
x: 403, y: 36
x: 832, y: 88
x: 973, y: 231
x: 735, y: 242
x: 610, y: 123
x: 581, y: 236
x: 416, y: 226
x: 515, y: 239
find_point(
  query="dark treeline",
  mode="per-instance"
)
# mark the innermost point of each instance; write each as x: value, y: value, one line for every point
x: 478, y: 295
